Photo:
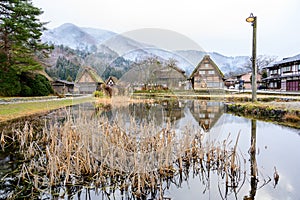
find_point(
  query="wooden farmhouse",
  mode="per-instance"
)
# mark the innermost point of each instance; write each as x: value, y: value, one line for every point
x: 63, y: 87
x: 170, y: 77
x: 207, y: 75
x: 111, y: 81
x: 88, y: 81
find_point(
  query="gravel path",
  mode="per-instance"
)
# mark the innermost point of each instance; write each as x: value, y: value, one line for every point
x: 36, y: 99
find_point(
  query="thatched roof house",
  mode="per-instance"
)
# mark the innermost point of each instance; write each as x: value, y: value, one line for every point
x: 111, y: 81
x: 88, y: 81
x: 171, y: 77
x: 207, y: 75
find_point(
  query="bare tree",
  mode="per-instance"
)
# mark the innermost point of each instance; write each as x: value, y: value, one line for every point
x: 261, y: 61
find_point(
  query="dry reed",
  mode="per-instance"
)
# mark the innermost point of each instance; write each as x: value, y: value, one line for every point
x: 137, y: 158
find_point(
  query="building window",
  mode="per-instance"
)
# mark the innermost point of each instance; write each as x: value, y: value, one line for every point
x: 274, y: 72
x: 211, y: 72
x: 206, y: 64
x: 273, y: 84
x: 286, y: 69
x: 202, y: 72
x: 214, y: 84
x: 211, y: 115
x: 201, y: 115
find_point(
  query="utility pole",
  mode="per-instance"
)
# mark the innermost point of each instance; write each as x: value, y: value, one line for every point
x: 253, y: 20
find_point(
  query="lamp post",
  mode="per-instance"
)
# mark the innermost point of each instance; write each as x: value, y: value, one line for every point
x: 253, y: 20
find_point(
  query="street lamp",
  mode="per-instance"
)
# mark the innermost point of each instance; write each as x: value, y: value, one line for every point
x: 253, y: 20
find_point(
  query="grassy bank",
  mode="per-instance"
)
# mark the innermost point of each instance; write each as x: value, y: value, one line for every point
x: 281, y: 113
x: 17, y: 110
x: 216, y: 95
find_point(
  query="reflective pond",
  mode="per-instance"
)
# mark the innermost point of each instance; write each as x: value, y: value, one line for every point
x: 157, y: 149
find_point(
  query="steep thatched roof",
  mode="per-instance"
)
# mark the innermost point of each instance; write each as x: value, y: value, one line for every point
x: 92, y: 72
x: 113, y: 78
x: 207, y: 57
x: 169, y: 72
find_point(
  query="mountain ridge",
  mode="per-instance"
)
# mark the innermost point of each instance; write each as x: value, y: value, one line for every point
x: 112, y: 45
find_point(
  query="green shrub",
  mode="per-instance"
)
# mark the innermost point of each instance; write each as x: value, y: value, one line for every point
x: 9, y: 82
x: 40, y: 86
x: 98, y: 94
x: 26, y: 91
x: 35, y: 85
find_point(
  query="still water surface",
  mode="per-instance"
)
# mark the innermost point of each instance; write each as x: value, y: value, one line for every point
x: 276, y: 147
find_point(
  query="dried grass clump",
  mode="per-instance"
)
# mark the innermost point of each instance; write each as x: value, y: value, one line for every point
x: 291, y: 117
x: 137, y: 158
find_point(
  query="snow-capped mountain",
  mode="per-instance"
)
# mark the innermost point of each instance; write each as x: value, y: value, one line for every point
x: 113, y: 45
x: 69, y: 35
x: 226, y: 64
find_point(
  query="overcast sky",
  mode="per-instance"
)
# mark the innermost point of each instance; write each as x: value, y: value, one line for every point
x: 215, y: 25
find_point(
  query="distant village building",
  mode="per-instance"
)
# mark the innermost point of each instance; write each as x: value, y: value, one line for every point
x: 111, y: 84
x: 230, y: 83
x: 63, y: 87
x: 245, y: 80
x: 111, y: 81
x: 284, y: 74
x: 170, y: 77
x: 242, y: 81
x: 207, y: 75
x: 88, y: 81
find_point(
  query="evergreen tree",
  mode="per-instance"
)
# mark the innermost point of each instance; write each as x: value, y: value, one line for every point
x: 20, y: 43
x: 69, y: 79
x: 20, y: 35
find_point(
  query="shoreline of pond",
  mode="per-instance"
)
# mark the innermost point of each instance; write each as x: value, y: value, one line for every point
x: 271, y: 108
x: 10, y: 112
x: 266, y: 112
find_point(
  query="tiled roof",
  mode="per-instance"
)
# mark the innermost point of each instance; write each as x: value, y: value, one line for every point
x: 290, y: 59
x: 285, y: 60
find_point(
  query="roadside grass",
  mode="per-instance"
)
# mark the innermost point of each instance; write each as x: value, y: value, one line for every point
x: 16, y: 110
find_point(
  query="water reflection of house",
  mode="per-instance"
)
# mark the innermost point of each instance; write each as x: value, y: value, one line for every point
x: 206, y: 113
x: 173, y: 109
x: 88, y: 81
x: 207, y: 75
x: 160, y: 111
x: 63, y: 87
